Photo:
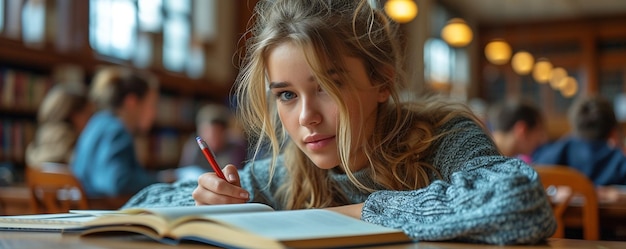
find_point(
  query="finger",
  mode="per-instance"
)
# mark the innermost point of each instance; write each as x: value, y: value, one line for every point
x: 212, y: 183
x: 232, y: 175
x: 205, y: 197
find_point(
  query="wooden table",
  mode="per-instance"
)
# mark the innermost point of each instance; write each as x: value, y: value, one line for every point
x: 15, y: 200
x: 611, y: 215
x: 18, y: 240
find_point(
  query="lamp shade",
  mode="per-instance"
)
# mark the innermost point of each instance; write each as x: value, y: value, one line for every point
x: 498, y: 52
x: 542, y: 70
x: 401, y: 11
x: 522, y: 62
x: 570, y: 87
x: 556, y: 77
x: 457, y: 33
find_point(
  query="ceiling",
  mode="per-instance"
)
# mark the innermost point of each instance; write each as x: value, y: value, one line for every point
x: 521, y: 11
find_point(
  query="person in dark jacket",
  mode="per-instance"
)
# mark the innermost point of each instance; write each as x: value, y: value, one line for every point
x: 593, y: 148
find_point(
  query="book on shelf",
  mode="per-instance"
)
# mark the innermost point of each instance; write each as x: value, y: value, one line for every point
x: 250, y: 225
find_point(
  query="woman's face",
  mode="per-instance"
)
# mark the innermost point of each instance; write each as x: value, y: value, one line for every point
x: 310, y: 115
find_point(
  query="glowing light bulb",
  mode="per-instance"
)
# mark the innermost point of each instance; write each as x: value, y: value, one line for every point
x: 498, y: 52
x: 457, y: 33
x: 522, y: 62
x: 401, y: 11
x: 542, y: 70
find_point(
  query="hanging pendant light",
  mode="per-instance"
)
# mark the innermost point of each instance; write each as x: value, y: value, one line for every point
x: 522, y: 62
x: 542, y: 70
x: 498, y: 52
x: 556, y: 77
x: 457, y: 33
x: 570, y: 87
x: 401, y: 11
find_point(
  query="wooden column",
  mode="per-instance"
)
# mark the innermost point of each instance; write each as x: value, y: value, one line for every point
x: 589, y: 62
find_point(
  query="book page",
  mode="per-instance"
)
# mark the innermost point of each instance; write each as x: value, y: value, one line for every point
x: 160, y: 220
x: 171, y: 213
x: 301, y: 224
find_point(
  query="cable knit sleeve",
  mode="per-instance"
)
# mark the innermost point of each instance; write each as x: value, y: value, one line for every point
x: 482, y: 196
x: 255, y: 178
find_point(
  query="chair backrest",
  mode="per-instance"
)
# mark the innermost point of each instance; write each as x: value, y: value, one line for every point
x: 54, y: 189
x: 580, y: 185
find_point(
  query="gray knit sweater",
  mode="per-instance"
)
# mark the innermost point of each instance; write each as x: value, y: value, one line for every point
x: 480, y: 197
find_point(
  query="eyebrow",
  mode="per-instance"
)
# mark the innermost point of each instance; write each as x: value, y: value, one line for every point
x: 281, y: 84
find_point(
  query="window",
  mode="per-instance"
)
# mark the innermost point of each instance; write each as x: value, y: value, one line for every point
x: 112, y: 27
x: 125, y: 29
x: 34, y: 22
x: 176, y: 34
x: 438, y: 61
x: 446, y: 69
x: 150, y: 15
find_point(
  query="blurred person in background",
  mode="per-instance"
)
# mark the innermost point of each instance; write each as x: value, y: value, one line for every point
x: 593, y: 148
x: 518, y: 128
x: 105, y: 160
x: 213, y: 124
x: 61, y: 117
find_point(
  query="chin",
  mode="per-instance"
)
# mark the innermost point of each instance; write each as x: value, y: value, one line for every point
x: 325, y: 164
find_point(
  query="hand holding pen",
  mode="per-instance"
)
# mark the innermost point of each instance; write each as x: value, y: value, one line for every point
x: 223, y: 187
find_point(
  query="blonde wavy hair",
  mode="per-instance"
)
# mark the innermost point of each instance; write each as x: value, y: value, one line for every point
x: 327, y: 31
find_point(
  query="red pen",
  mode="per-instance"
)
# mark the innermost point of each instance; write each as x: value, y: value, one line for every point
x: 209, y: 157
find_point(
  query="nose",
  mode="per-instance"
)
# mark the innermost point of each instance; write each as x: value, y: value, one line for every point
x: 310, y: 114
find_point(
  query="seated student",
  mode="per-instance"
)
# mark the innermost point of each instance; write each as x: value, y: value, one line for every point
x: 60, y: 119
x: 105, y: 161
x: 328, y: 75
x: 213, y: 124
x: 518, y: 128
x: 588, y: 149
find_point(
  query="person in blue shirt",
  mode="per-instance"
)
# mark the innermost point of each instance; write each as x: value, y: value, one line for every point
x: 593, y: 147
x: 105, y: 161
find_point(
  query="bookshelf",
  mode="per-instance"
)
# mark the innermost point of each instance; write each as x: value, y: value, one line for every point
x: 180, y: 98
x: 25, y: 79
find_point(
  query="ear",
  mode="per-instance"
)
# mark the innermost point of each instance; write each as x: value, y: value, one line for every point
x: 383, y: 94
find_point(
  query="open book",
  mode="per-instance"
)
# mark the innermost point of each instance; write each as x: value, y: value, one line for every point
x: 44, y: 222
x: 244, y: 226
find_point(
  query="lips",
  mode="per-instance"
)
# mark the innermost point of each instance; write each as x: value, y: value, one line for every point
x: 316, y: 142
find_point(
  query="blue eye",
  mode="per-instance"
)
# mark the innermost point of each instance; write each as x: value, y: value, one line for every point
x: 285, y: 96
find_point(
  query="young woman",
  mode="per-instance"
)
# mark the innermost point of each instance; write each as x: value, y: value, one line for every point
x: 321, y: 82
x: 105, y: 161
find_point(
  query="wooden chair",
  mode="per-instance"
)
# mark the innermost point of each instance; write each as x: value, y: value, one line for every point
x: 580, y: 185
x: 54, y: 189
